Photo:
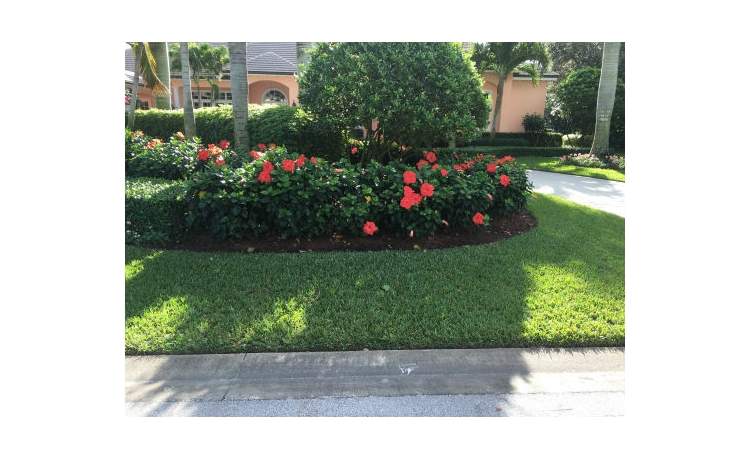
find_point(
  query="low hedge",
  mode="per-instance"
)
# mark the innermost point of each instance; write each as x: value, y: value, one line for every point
x: 289, y: 195
x: 155, y: 210
x: 283, y: 125
x: 517, y: 151
x: 545, y: 139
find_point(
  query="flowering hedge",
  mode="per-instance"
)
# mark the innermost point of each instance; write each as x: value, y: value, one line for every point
x: 277, y: 193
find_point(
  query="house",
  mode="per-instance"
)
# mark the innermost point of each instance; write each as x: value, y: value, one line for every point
x: 273, y: 68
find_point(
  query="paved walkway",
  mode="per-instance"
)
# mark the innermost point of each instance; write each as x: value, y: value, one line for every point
x: 606, y: 195
x: 486, y: 382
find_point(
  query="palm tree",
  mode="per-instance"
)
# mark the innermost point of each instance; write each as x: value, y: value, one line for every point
x: 145, y: 66
x: 506, y: 57
x: 206, y: 63
x: 187, y: 91
x: 238, y: 79
x: 605, y: 99
x: 161, y: 54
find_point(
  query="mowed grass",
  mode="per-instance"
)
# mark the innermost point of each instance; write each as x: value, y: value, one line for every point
x: 553, y: 164
x: 562, y: 284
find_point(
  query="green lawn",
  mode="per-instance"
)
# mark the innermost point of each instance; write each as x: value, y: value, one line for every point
x: 562, y: 284
x: 554, y: 165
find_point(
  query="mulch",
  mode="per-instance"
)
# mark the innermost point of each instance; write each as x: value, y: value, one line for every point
x: 500, y: 228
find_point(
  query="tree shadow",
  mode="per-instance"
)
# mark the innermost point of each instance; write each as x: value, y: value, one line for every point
x: 495, y: 295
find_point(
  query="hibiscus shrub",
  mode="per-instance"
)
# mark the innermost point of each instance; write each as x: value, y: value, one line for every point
x: 154, y: 210
x: 151, y: 157
x: 290, y: 195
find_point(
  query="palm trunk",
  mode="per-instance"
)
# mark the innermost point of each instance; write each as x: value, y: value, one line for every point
x: 238, y: 80
x: 187, y: 92
x: 498, y: 104
x: 605, y: 99
x: 161, y: 55
x: 134, y: 84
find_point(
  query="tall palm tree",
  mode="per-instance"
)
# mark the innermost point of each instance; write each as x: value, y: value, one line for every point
x: 187, y: 91
x: 145, y: 66
x: 605, y: 99
x: 161, y: 54
x: 238, y: 79
x: 506, y: 57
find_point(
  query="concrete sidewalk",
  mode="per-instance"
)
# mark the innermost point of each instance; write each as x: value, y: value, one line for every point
x: 396, y: 382
x: 606, y: 195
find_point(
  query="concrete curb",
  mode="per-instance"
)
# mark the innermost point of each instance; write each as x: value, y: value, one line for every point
x: 252, y: 376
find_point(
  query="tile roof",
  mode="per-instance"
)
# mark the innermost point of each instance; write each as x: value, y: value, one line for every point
x: 262, y: 57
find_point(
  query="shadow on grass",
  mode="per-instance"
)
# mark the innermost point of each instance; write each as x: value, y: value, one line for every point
x: 562, y: 284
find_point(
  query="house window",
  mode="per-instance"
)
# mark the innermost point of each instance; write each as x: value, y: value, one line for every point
x: 273, y: 96
x: 202, y: 98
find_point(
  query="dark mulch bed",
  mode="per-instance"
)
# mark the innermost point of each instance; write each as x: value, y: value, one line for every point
x: 500, y: 228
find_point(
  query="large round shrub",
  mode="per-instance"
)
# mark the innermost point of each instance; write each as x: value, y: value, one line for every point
x: 577, y: 95
x: 419, y: 93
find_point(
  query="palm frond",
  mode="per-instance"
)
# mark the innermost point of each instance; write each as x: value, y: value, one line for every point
x: 148, y: 68
x: 533, y: 69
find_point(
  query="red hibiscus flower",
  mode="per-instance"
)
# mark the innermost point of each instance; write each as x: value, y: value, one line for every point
x: 267, y: 166
x: 410, y: 177
x: 288, y: 166
x: 254, y: 155
x: 369, y: 228
x: 444, y: 172
x: 505, y: 159
x: 264, y: 177
x: 261, y: 147
x: 354, y: 150
x: 426, y: 189
x: 478, y: 218
x: 203, y: 155
x: 410, y: 198
x: 300, y: 161
x: 223, y: 144
x: 491, y: 168
x: 431, y: 157
x: 220, y: 161
x: 314, y: 160
x: 504, y: 180
x: 422, y: 163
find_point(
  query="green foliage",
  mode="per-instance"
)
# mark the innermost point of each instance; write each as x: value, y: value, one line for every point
x: 553, y: 164
x: 533, y: 123
x: 561, y: 284
x: 514, y: 151
x: 570, y: 56
x: 500, y: 140
x: 418, y: 92
x: 577, y: 95
x: 150, y: 157
x: 506, y: 57
x: 283, y: 125
x: 592, y: 161
x: 154, y: 211
x: 326, y: 198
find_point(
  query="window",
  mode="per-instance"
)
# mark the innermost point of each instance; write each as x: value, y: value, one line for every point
x: 273, y: 96
x: 202, y: 98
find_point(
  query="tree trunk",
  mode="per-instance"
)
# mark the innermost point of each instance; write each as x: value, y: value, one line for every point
x: 498, y: 104
x: 161, y: 55
x: 238, y: 80
x: 134, y: 84
x: 187, y: 92
x: 605, y: 99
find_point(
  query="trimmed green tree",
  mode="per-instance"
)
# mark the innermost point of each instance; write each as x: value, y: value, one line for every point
x: 412, y: 94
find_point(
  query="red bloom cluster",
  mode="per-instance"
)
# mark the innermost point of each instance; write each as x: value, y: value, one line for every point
x: 478, y: 218
x: 369, y: 228
x: 426, y: 189
x: 220, y: 161
x: 212, y: 151
x: 444, y: 172
x: 300, y: 161
x: 422, y: 163
x: 491, y: 168
x: 265, y: 175
x: 430, y: 156
x: 354, y: 150
x: 288, y: 165
x: 255, y: 154
x: 503, y: 160
x: 261, y: 147
x: 410, y: 198
x: 223, y: 144
x: 504, y: 180
x: 410, y: 177
x: 153, y: 143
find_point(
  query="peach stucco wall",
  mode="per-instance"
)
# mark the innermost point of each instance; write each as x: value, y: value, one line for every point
x: 257, y: 86
x: 519, y: 98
